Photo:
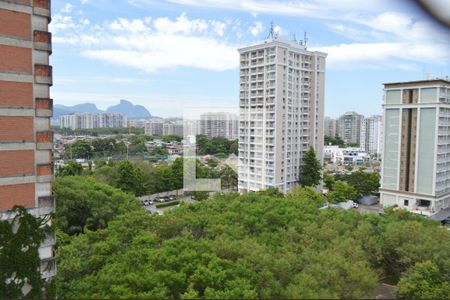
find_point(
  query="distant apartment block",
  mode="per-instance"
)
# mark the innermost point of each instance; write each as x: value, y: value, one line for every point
x: 26, y: 138
x: 281, y: 112
x: 154, y: 127
x: 139, y: 123
x: 219, y: 124
x: 330, y: 128
x: 416, y: 151
x: 93, y: 120
x: 349, y: 127
x: 371, y: 140
x: 173, y: 128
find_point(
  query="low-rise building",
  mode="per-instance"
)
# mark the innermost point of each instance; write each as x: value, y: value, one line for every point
x: 345, y: 156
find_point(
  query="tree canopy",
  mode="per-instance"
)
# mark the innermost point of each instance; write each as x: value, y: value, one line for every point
x: 84, y: 203
x: 259, y: 245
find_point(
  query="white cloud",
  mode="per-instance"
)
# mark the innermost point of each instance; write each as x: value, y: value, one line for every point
x: 84, y: 1
x: 257, y: 28
x: 382, y: 55
x: 153, y: 44
x: 379, y: 39
x: 67, y: 8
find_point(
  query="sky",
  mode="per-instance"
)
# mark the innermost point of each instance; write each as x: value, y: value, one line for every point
x: 169, y: 55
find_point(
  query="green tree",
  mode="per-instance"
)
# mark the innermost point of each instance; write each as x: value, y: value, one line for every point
x: 79, y: 149
x: 159, y: 152
x: 425, y: 280
x: 330, y: 140
x: 341, y: 192
x: 130, y: 178
x: 363, y: 182
x: 310, y: 170
x: 71, y: 169
x: 20, y: 239
x: 328, y: 180
x: 84, y: 203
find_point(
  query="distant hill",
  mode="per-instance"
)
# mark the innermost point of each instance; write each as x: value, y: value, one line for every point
x: 126, y: 107
x: 132, y: 111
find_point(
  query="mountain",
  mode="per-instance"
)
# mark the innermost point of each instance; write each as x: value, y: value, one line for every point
x: 126, y: 107
x: 59, y: 109
x: 132, y: 111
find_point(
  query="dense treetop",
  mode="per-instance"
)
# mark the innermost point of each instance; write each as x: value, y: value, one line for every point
x: 259, y: 245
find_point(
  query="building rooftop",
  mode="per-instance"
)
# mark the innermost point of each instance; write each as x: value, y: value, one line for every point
x: 422, y: 81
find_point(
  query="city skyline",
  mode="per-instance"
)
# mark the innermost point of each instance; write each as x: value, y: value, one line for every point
x: 126, y: 50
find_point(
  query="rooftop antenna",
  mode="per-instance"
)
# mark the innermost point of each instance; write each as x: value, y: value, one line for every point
x: 294, y: 37
x: 305, y: 38
x: 272, y: 33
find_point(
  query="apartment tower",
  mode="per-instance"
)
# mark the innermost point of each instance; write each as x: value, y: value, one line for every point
x: 371, y: 140
x: 219, y: 124
x: 26, y: 170
x: 349, y: 127
x: 330, y: 127
x: 416, y: 154
x: 281, y: 112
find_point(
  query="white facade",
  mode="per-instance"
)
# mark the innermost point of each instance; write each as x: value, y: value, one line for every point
x: 219, y: 124
x: 345, y: 156
x: 416, y: 152
x: 154, y: 127
x: 372, y: 135
x: 173, y: 128
x: 281, y: 112
x: 93, y: 120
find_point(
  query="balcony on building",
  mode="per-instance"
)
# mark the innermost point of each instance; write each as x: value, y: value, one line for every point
x: 43, y: 74
x: 42, y: 40
x: 44, y: 107
x: 44, y: 140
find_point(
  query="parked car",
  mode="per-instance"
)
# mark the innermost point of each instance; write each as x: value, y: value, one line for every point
x: 171, y: 198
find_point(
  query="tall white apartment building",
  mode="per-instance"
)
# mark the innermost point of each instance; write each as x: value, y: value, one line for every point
x: 281, y: 112
x: 330, y: 127
x: 219, y: 124
x: 372, y: 135
x: 416, y: 152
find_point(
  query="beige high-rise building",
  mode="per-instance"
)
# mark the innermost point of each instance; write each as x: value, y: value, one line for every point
x: 416, y: 152
x: 330, y: 127
x: 281, y: 112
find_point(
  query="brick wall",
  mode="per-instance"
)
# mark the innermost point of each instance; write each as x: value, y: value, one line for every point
x: 45, y: 170
x: 42, y: 36
x: 15, y: 59
x: 16, y: 163
x: 19, y: 194
x: 43, y: 70
x: 16, y: 94
x: 16, y: 129
x: 44, y: 137
x: 44, y: 103
x: 42, y: 3
x: 15, y: 24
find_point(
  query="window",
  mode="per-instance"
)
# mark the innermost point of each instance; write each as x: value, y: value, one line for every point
x: 405, y: 202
